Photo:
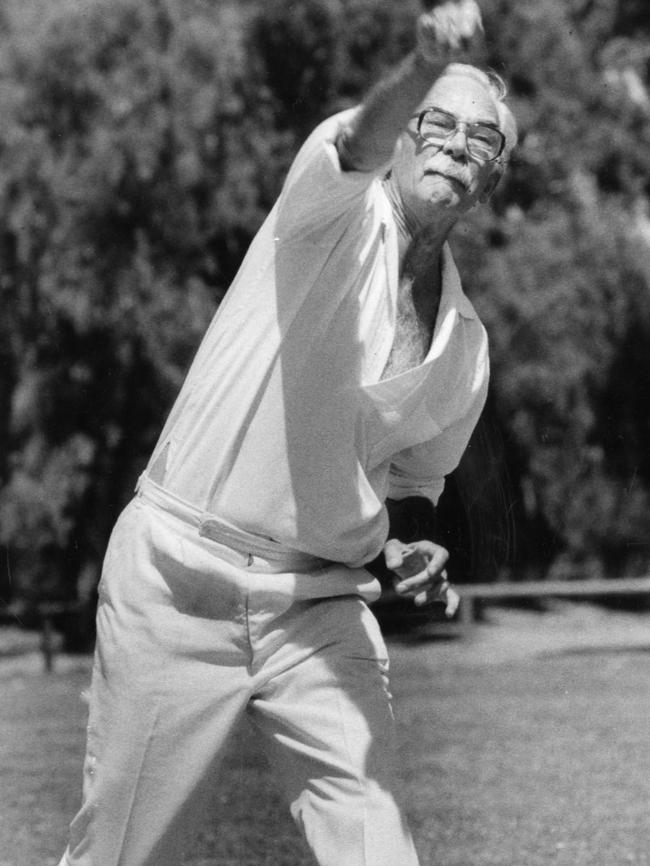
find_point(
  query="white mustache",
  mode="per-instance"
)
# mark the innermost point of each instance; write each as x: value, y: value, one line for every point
x: 460, y: 177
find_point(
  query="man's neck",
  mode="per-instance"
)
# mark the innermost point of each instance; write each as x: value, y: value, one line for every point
x: 420, y: 282
x: 418, y: 299
x: 420, y: 243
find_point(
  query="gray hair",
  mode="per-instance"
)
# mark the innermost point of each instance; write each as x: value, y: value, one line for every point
x: 498, y: 90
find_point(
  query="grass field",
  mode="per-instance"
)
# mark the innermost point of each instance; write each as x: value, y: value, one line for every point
x: 524, y: 742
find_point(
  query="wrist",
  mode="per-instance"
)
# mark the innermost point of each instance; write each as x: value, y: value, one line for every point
x: 428, y: 63
x: 427, y: 59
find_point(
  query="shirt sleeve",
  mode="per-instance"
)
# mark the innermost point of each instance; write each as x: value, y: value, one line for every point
x: 421, y: 469
x: 318, y: 191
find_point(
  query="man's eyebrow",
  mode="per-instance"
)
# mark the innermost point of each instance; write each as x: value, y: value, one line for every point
x: 483, y: 121
x: 492, y: 123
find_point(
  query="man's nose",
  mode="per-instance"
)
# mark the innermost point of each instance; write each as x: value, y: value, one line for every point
x: 456, y: 144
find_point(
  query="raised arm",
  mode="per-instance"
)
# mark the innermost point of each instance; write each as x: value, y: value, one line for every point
x: 451, y: 31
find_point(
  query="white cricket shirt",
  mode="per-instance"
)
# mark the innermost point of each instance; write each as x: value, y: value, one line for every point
x: 284, y: 427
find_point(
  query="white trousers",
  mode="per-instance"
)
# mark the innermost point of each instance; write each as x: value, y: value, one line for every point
x: 192, y: 635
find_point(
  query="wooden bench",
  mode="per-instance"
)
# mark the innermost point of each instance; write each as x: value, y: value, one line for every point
x: 473, y: 593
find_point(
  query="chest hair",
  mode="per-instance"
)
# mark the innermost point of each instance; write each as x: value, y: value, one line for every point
x: 417, y: 308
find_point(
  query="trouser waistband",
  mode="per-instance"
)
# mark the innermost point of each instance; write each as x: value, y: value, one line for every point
x: 212, y: 527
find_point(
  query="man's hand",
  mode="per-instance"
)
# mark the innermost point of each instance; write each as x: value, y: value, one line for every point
x: 451, y: 29
x: 420, y: 573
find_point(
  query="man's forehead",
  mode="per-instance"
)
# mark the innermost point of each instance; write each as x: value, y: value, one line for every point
x: 463, y: 94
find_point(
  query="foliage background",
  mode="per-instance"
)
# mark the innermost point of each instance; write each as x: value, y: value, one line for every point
x: 143, y: 142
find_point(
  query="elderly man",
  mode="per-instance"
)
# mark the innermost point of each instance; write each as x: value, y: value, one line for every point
x: 341, y: 377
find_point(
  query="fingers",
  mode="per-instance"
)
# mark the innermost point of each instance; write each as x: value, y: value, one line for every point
x: 431, y: 590
x: 452, y: 601
x: 442, y: 592
x: 395, y: 552
x: 450, y: 28
x: 469, y: 15
x: 419, y: 567
x: 425, y: 588
x: 422, y: 569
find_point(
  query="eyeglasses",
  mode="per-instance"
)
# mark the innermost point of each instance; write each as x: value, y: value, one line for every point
x: 484, y: 142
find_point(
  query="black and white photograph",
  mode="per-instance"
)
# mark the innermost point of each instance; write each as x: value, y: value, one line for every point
x: 324, y: 433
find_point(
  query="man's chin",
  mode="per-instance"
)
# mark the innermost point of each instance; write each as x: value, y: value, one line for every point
x: 442, y: 186
x: 445, y: 196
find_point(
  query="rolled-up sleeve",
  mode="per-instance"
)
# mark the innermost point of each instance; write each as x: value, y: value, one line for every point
x: 318, y: 190
x: 421, y: 470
